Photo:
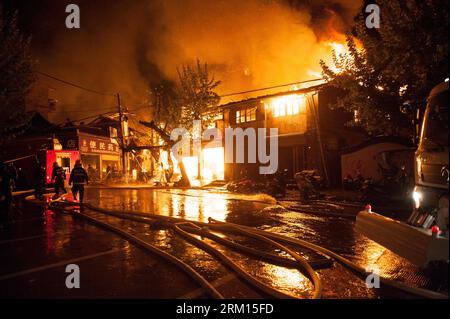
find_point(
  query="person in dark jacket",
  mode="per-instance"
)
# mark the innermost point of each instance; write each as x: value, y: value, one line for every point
x: 13, y: 174
x: 78, y: 178
x: 22, y: 180
x: 59, y: 175
x: 39, y: 181
x: 5, y: 189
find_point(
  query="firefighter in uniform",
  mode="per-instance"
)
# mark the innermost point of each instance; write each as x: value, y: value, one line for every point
x: 5, y: 191
x: 59, y: 175
x: 78, y: 178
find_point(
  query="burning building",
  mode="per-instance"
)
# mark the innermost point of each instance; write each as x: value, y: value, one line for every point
x: 310, y: 134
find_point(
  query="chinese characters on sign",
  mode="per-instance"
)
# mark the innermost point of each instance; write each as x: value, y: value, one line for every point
x: 95, y: 145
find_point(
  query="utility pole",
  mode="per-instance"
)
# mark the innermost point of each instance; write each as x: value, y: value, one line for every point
x: 121, y: 137
x: 319, y: 138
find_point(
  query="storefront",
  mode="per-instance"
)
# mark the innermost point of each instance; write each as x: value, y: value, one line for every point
x: 65, y: 158
x: 99, y: 155
x: 97, y: 150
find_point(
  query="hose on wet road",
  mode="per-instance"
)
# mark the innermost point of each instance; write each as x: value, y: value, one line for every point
x: 210, y: 290
x: 349, y: 264
x: 217, y: 225
x: 261, y: 255
x: 229, y: 263
x: 183, y: 227
x: 280, y: 239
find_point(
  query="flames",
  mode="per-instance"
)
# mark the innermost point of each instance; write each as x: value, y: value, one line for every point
x: 334, y: 42
x: 288, y: 105
x: 338, y: 48
x: 251, y: 44
x: 248, y: 45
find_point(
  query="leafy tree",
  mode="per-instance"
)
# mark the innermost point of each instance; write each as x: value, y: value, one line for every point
x: 387, y: 67
x: 16, y: 77
x: 193, y: 98
x: 195, y: 95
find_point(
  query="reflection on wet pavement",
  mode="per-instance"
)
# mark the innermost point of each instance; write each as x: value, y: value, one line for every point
x: 333, y: 233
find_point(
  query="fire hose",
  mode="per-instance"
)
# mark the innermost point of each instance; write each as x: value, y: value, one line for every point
x: 230, y: 227
x: 180, y: 227
x: 229, y: 263
x: 203, y: 232
x: 137, y: 241
x: 214, y: 224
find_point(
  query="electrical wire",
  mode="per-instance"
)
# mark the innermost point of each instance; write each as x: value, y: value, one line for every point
x: 271, y: 87
x: 83, y: 111
x: 74, y: 84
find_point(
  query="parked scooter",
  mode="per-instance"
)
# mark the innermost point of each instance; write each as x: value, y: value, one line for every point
x: 308, y: 183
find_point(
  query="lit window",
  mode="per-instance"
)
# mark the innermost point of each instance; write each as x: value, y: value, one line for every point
x: 238, y: 116
x: 356, y: 117
x: 296, y: 107
x: 287, y: 105
x: 242, y: 116
x: 251, y: 114
x: 290, y: 107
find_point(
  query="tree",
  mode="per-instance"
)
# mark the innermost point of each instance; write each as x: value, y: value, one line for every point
x: 195, y: 95
x: 16, y: 77
x: 386, y: 67
x: 193, y: 98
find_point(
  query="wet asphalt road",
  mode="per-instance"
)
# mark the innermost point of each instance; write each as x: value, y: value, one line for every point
x: 37, y: 244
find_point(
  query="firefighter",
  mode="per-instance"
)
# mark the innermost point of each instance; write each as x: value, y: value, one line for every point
x: 13, y: 175
x: 59, y: 175
x: 5, y: 190
x: 39, y: 180
x: 78, y: 178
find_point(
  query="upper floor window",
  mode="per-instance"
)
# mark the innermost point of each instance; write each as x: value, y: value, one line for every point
x: 251, y: 114
x: 246, y: 115
x: 240, y: 116
x: 356, y: 117
x: 287, y: 105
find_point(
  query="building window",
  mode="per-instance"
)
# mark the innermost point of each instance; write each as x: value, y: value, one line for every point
x: 251, y: 114
x: 287, y: 105
x: 356, y: 117
x: 246, y: 115
x: 240, y: 116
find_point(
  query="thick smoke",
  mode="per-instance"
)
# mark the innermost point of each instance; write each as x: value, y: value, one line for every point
x: 134, y: 46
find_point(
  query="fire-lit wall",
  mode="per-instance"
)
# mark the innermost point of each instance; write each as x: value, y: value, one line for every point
x: 64, y: 158
x: 290, y: 113
x: 365, y: 160
x: 292, y: 118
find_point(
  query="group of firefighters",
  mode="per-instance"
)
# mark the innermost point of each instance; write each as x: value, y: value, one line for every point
x: 78, y: 178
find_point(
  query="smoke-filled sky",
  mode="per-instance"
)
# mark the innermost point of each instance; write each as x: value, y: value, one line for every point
x: 131, y: 46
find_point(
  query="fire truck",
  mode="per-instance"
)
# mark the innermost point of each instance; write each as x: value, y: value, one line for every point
x: 423, y: 238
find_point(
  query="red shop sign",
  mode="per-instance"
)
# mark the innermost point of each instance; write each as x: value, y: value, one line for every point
x: 96, y: 145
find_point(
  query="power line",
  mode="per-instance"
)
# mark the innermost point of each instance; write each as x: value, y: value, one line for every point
x: 271, y: 87
x: 82, y: 111
x: 105, y: 113
x: 75, y: 85
x: 89, y: 117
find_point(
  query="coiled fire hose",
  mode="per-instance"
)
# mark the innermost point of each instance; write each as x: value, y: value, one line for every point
x: 413, y: 290
x: 229, y: 263
x: 182, y: 230
x: 214, y: 224
x: 261, y: 255
x: 203, y: 232
x: 211, y: 291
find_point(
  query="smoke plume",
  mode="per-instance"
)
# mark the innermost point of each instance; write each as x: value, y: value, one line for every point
x: 134, y: 46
